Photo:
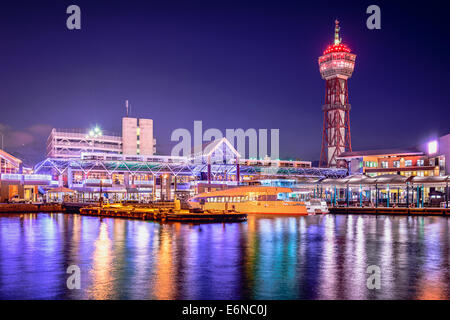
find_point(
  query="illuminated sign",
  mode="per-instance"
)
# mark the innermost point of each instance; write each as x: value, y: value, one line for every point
x: 11, y: 177
x: 26, y: 177
x: 37, y: 177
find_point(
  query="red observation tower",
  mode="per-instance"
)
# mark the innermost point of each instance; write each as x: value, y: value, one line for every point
x: 336, y: 66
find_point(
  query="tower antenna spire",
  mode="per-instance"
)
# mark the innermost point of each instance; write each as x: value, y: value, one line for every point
x: 337, y: 40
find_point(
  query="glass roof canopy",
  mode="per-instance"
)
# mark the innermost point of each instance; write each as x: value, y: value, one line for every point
x: 60, y: 166
x: 386, y: 179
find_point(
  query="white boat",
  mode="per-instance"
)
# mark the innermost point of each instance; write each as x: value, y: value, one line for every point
x: 256, y: 199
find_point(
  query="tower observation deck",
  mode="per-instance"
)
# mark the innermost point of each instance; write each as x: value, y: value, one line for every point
x: 336, y: 66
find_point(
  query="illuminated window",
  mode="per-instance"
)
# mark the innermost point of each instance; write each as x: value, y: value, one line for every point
x: 384, y: 164
x: 420, y: 162
x: 396, y: 164
x: 408, y: 163
x: 371, y: 164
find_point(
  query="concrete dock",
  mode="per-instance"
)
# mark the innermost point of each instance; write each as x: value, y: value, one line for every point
x: 159, y: 214
x: 391, y: 211
x: 30, y: 208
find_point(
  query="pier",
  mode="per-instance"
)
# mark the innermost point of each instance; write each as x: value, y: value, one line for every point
x: 385, y: 192
x: 392, y: 211
x: 163, y: 214
x: 30, y: 208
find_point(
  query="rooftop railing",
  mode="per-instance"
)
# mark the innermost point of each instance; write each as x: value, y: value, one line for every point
x: 85, y: 132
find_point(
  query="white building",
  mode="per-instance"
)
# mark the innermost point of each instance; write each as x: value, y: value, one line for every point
x: 137, y: 138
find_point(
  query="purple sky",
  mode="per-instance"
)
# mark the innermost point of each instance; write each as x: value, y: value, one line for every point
x: 232, y: 64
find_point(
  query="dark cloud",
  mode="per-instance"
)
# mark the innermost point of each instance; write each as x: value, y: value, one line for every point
x: 28, y: 144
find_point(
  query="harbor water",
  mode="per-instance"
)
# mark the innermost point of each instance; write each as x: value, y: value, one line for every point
x: 266, y: 257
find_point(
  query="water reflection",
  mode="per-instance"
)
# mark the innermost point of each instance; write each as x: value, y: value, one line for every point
x: 164, y: 277
x: 268, y: 257
x: 102, y: 267
x: 430, y: 287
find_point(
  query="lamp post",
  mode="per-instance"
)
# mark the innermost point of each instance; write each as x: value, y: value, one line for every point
x: 418, y: 197
x: 446, y: 194
x: 348, y: 200
x: 388, y: 195
x: 407, y: 195
x: 360, y: 196
x: 422, y: 193
x: 376, y: 196
x: 334, y: 197
x: 100, y: 199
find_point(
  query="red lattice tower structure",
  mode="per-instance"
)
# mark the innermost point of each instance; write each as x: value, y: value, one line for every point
x: 336, y: 66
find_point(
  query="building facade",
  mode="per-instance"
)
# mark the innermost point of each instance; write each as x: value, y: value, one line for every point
x: 69, y: 143
x: 18, y: 181
x: 155, y: 177
x: 405, y: 162
x: 9, y: 163
x: 137, y: 138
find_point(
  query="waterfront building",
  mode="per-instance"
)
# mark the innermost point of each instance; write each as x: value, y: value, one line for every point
x: 155, y: 177
x: 406, y: 162
x: 416, y: 176
x: 69, y: 143
x: 439, y: 147
x: 277, y: 163
x: 19, y: 181
x: 9, y: 163
x: 137, y: 138
x: 387, y: 190
x: 425, y: 160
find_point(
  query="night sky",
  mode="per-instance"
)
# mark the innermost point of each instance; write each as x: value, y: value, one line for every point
x: 232, y: 64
